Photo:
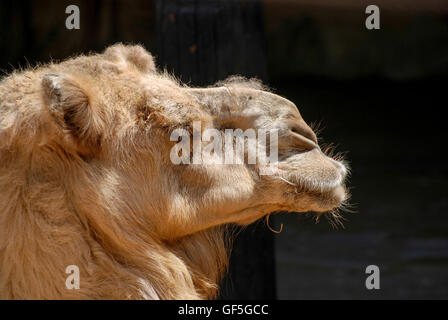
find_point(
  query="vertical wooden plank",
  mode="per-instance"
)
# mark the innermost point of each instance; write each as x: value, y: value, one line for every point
x: 167, y: 34
x: 203, y: 42
x: 206, y: 43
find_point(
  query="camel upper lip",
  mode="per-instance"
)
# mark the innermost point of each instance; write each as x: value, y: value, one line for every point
x: 305, y: 184
x: 313, y: 182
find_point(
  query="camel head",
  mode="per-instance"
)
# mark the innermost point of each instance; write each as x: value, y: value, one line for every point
x: 125, y: 121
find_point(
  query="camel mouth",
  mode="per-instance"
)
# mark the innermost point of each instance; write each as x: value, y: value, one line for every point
x: 324, y: 198
x: 331, y: 199
x: 317, y: 177
x: 313, y: 171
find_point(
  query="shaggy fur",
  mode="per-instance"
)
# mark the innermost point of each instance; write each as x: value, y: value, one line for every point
x: 86, y: 178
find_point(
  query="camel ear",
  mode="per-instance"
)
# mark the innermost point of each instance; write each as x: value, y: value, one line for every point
x: 68, y: 105
x: 135, y: 55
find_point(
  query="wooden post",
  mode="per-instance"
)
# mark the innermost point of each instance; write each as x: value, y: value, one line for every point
x: 203, y: 42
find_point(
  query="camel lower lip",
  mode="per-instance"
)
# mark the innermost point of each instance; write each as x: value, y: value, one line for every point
x: 324, y: 201
x: 333, y: 198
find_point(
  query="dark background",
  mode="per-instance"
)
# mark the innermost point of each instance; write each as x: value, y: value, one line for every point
x: 380, y: 95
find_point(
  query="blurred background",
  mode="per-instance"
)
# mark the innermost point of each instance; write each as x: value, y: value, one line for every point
x: 379, y: 95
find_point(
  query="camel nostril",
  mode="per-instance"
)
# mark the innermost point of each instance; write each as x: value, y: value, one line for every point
x: 303, y: 142
x: 305, y: 132
x: 312, y: 136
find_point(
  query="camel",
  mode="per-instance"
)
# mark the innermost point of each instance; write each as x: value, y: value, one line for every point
x: 86, y: 178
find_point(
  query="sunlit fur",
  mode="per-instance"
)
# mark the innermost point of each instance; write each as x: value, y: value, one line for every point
x: 86, y: 178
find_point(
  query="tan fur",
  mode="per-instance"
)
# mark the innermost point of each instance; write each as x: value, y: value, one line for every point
x: 86, y: 179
